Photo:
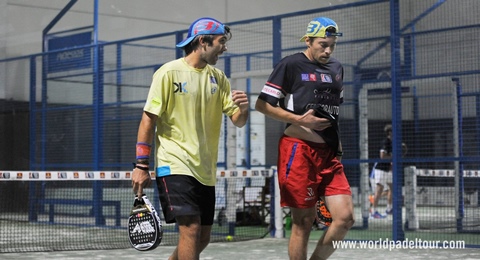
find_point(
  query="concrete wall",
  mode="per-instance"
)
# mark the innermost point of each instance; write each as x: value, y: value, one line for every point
x: 121, y: 19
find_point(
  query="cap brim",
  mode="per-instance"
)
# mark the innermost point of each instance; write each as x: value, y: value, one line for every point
x: 338, y: 34
x: 185, y: 42
x: 328, y: 34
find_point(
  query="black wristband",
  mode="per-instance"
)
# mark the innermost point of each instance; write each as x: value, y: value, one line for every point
x: 140, y: 167
x: 143, y: 161
x: 339, y: 153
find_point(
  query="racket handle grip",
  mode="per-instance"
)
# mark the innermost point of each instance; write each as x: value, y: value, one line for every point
x: 139, y: 201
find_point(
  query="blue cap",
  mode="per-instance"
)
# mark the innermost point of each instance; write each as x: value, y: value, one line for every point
x: 318, y: 28
x: 203, y: 26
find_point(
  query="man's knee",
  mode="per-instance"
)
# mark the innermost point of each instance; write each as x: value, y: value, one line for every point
x: 350, y: 221
x: 346, y: 221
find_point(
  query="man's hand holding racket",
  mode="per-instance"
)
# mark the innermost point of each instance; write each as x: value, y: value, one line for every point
x: 140, y: 180
x: 331, y: 135
x: 144, y: 225
x: 311, y: 120
x: 141, y: 174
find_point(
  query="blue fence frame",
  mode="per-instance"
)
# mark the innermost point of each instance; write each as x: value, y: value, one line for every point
x: 402, y: 68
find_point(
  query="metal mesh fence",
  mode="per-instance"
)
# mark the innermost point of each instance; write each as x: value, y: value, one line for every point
x: 86, y: 118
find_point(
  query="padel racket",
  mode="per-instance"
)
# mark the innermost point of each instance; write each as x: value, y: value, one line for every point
x: 323, y: 214
x: 331, y: 135
x: 144, y: 225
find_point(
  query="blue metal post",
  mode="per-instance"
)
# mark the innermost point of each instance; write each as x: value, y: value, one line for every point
x: 98, y: 120
x: 416, y: 122
x: 277, y: 40
x: 178, y: 51
x: 397, y: 230
x: 43, y: 116
x: 248, y: 145
x: 32, y: 209
x: 119, y: 72
x: 228, y: 71
x: 33, y: 110
x: 461, y: 207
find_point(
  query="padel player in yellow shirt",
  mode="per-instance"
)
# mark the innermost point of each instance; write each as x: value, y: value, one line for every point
x: 184, y: 109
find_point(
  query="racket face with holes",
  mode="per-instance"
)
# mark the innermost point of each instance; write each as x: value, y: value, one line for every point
x: 144, y: 228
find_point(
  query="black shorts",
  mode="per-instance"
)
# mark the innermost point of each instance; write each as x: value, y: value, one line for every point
x: 182, y: 195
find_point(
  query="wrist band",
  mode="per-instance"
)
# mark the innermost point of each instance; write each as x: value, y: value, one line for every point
x: 140, y: 167
x: 143, y: 161
x: 143, y: 150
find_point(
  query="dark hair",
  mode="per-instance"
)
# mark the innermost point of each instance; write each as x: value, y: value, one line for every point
x: 331, y: 29
x: 208, y: 38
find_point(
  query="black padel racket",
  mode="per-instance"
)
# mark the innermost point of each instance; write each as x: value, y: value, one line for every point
x: 331, y: 135
x: 144, y: 225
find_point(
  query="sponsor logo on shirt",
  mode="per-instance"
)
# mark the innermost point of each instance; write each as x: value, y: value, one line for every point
x: 272, y: 91
x: 326, y: 78
x: 180, y: 87
x: 310, y: 194
x: 213, y: 80
x: 309, y: 77
x: 213, y: 90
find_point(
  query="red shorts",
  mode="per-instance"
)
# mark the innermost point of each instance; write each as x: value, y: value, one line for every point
x: 306, y: 171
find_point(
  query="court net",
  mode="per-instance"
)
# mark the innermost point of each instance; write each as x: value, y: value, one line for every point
x: 436, y: 201
x: 88, y: 210
x: 431, y: 208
